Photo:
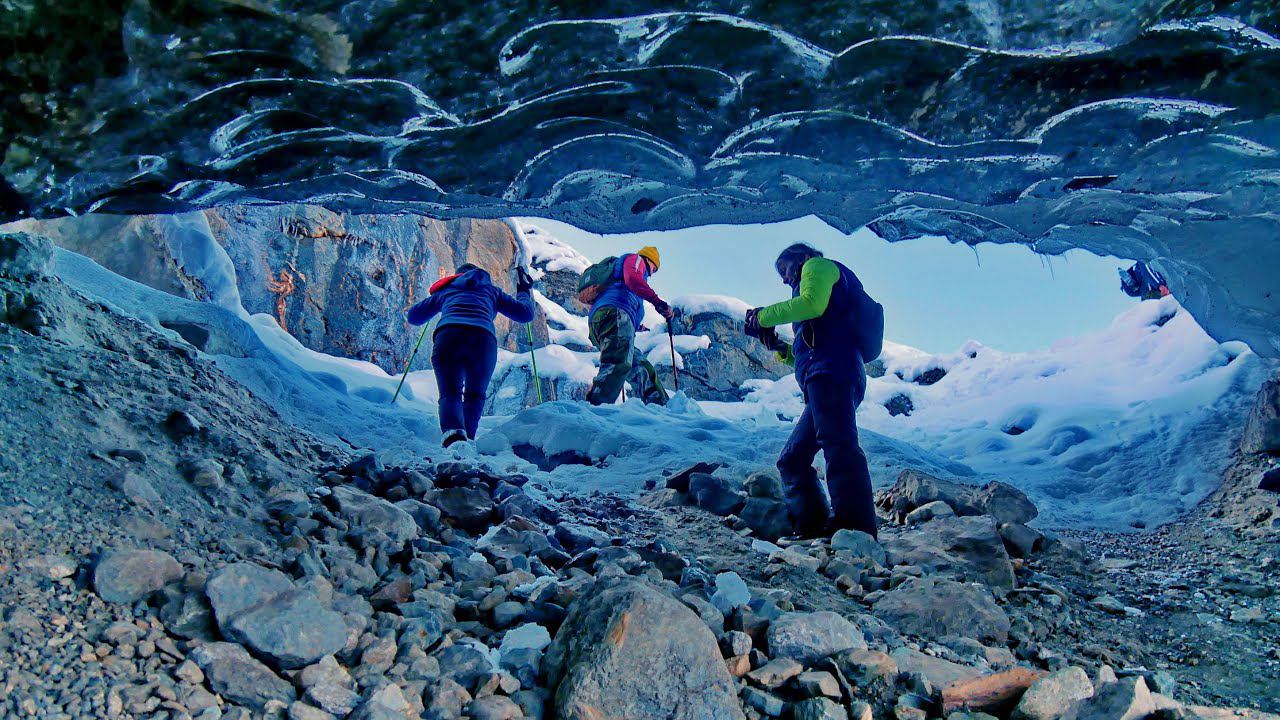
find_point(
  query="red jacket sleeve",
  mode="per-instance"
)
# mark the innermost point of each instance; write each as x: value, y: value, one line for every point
x: 635, y: 272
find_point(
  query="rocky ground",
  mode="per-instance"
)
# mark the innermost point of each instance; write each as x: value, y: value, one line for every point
x: 170, y: 549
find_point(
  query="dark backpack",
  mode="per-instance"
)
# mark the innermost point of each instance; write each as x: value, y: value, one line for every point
x: 596, y: 279
x: 870, y: 319
x: 1141, y: 280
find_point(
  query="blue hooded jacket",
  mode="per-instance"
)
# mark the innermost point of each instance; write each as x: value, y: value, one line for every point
x: 471, y: 299
x: 620, y: 296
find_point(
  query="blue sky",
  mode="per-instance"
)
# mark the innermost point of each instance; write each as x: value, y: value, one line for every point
x: 936, y: 295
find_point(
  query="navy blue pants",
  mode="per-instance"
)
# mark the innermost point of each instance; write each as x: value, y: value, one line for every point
x: 828, y: 424
x: 463, y: 358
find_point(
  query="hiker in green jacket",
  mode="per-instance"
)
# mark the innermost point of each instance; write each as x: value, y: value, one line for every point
x: 828, y: 312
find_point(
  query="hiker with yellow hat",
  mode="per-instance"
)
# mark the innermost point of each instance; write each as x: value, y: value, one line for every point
x: 617, y: 289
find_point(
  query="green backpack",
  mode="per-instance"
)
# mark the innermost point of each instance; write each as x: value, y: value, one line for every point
x: 595, y: 280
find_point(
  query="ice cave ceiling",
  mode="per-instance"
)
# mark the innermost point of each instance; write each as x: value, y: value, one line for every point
x: 1141, y: 128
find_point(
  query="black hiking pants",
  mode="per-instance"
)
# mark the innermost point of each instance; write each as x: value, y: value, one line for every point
x: 828, y: 424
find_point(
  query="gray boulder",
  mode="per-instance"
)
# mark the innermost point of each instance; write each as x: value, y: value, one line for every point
x: 934, y: 606
x: 859, y: 543
x: 715, y: 494
x: 1006, y: 503
x: 576, y: 537
x: 1050, y: 697
x: 937, y: 672
x: 720, y: 371
x: 810, y: 637
x: 768, y: 518
x: 969, y: 548
x: 385, y: 703
x: 240, y: 586
x: 628, y: 650
x: 262, y: 609
x: 1125, y: 699
x: 127, y: 576
x: 23, y: 255
x: 235, y: 675
x: 915, y: 489
x: 373, y: 513
x: 818, y: 708
x: 470, y: 508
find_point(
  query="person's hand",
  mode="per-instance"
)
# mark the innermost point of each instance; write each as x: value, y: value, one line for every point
x: 664, y: 310
x: 751, y: 325
x: 769, y: 338
x: 524, y: 281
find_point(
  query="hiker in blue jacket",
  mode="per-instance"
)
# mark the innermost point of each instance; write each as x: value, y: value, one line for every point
x: 465, y: 348
x: 836, y: 326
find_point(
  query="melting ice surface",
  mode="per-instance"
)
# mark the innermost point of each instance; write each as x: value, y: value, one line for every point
x: 1134, y: 128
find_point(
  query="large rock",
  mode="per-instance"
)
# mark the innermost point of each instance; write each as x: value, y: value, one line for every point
x: 810, y: 637
x: 471, y: 508
x: 1125, y: 699
x: 968, y: 548
x: 628, y: 650
x: 23, y: 255
x: 127, y: 576
x: 720, y: 371
x: 768, y: 518
x: 1050, y: 697
x: 234, y: 674
x: 1262, y: 430
x: 373, y: 513
x: 933, y: 606
x: 1003, y: 501
x: 938, y: 672
x: 262, y: 609
x: 715, y: 494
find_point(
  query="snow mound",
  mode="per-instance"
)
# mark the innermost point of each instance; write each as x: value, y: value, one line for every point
x: 549, y: 252
x: 1128, y: 427
x: 619, y: 448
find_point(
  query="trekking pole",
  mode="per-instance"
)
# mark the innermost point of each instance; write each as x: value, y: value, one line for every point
x: 533, y: 357
x: 675, y: 374
x: 406, y: 365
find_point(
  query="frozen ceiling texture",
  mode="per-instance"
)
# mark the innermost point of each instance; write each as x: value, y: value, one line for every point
x: 1141, y: 128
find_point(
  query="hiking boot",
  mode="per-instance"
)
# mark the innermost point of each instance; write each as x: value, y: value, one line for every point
x: 453, y: 436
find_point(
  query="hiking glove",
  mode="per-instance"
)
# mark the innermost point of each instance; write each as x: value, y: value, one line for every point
x: 524, y: 281
x: 752, y: 323
x: 663, y: 309
x: 769, y: 338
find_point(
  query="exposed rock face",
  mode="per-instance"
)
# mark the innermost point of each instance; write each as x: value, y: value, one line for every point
x: 718, y: 372
x: 1136, y: 131
x: 1262, y: 432
x: 627, y: 650
x: 338, y: 283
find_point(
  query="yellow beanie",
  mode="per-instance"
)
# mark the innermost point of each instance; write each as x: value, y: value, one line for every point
x: 650, y: 253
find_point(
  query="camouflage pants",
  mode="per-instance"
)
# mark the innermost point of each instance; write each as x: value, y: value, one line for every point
x: 620, y: 362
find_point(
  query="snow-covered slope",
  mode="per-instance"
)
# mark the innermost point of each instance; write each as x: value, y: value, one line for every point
x: 1129, y: 425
